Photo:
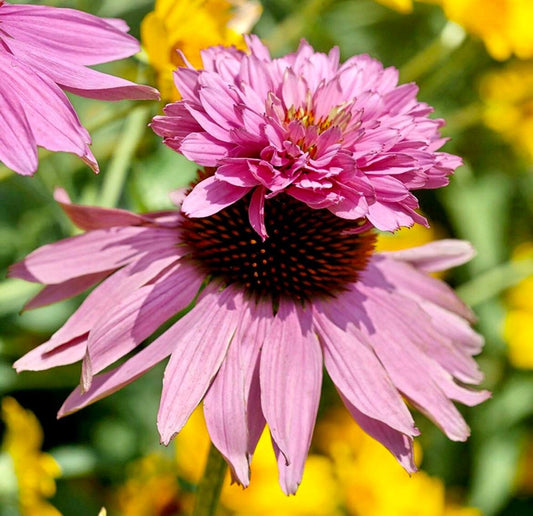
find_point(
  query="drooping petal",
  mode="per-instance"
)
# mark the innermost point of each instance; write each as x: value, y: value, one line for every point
x: 45, y: 356
x: 199, y: 350
x: 74, y: 256
x: 436, y: 256
x: 137, y: 316
x: 96, y: 217
x: 400, y: 445
x: 69, y: 34
x: 80, y: 80
x: 356, y: 371
x: 99, y: 301
x: 48, y: 115
x: 291, y: 377
x: 230, y: 406
x: 70, y: 288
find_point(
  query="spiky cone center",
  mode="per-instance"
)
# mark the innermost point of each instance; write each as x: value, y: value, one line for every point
x: 308, y: 253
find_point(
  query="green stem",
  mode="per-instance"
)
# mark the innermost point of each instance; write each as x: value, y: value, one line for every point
x: 463, y: 118
x: 292, y: 27
x: 210, y: 486
x: 115, y: 175
x: 450, y: 38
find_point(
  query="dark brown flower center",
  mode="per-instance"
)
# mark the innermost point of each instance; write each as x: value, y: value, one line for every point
x: 308, y: 252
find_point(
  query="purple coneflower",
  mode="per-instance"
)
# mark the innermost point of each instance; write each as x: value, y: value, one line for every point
x: 43, y: 51
x: 343, y: 137
x: 266, y: 317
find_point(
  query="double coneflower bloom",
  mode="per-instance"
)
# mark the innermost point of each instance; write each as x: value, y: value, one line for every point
x: 271, y: 264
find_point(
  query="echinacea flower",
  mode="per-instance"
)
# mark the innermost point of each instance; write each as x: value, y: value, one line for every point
x: 263, y: 318
x: 45, y: 51
x: 189, y: 26
x: 341, y: 137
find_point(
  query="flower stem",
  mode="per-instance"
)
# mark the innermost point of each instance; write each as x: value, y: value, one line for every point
x: 210, y: 486
x: 450, y: 38
x: 115, y: 176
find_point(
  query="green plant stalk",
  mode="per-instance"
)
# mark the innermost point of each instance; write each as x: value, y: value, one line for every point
x: 292, y: 27
x: 450, y: 38
x: 115, y: 175
x: 210, y: 486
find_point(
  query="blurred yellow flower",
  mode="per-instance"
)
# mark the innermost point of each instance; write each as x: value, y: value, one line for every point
x: 151, y: 488
x: 503, y: 25
x: 353, y: 474
x: 35, y: 471
x: 318, y: 495
x: 189, y: 26
x: 507, y: 96
x: 373, y: 483
x: 518, y: 326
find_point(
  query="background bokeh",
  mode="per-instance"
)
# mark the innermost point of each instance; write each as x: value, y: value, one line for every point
x: 109, y: 454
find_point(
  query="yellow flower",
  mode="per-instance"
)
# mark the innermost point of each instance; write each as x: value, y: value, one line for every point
x: 503, y: 25
x: 507, y: 96
x: 317, y: 495
x: 403, y: 6
x: 35, y: 471
x: 518, y: 326
x: 189, y: 26
x: 373, y: 483
x: 151, y: 488
x: 406, y: 237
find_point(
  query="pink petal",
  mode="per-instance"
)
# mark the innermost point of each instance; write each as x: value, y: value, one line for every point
x: 418, y: 377
x: 256, y: 212
x: 70, y: 288
x: 436, y: 256
x: 136, y: 316
x: 69, y: 34
x: 102, y: 299
x: 354, y: 368
x: 78, y: 79
x: 105, y: 384
x: 210, y: 196
x: 18, y: 148
x: 291, y: 377
x: 50, y: 117
x: 232, y: 412
x: 400, y: 445
x: 94, y: 217
x: 75, y: 256
x: 199, y: 348
x: 43, y: 357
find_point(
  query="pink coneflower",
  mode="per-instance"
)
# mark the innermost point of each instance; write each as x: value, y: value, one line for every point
x: 267, y: 316
x: 342, y: 137
x: 43, y: 51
